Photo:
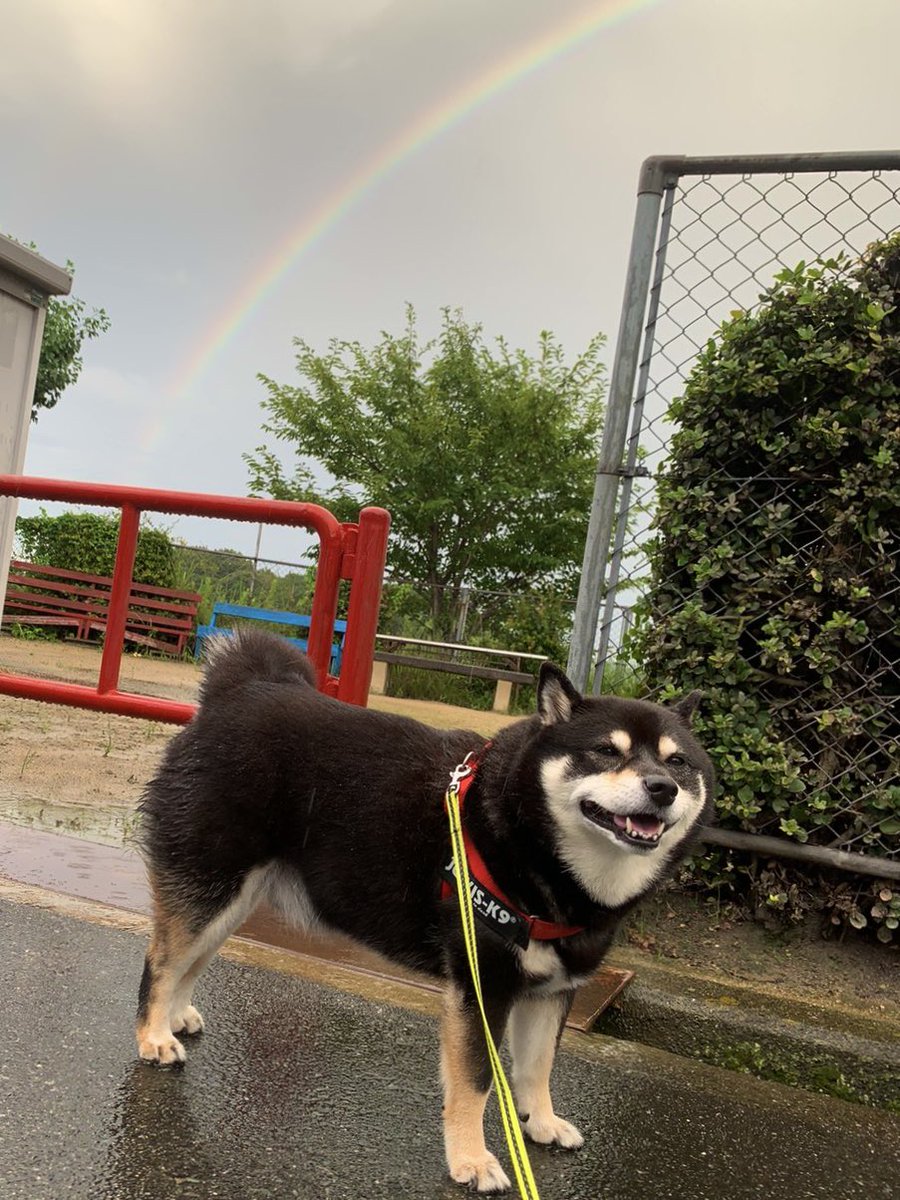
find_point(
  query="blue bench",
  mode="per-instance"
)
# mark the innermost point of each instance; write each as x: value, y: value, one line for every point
x: 273, y: 617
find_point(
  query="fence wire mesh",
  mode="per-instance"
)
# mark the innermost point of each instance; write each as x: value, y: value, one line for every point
x: 722, y: 239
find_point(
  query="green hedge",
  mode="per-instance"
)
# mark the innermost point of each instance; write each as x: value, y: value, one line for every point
x: 774, y: 583
x: 87, y: 542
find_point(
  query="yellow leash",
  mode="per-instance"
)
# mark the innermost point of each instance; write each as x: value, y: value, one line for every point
x: 514, y: 1139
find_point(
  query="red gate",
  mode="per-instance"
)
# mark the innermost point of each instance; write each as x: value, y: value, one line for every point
x: 352, y: 551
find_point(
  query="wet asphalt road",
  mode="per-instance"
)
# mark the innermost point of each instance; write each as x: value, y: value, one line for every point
x: 298, y: 1090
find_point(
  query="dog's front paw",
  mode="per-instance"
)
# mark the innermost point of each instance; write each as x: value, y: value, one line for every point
x: 553, y: 1131
x: 162, y: 1051
x: 188, y: 1021
x: 482, y: 1173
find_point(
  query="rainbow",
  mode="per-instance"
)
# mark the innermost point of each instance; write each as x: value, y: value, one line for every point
x: 449, y: 112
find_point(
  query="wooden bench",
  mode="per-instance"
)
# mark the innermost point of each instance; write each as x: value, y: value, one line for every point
x: 271, y: 617
x: 505, y: 677
x: 159, y: 618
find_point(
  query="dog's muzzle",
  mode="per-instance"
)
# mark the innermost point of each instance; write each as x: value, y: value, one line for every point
x: 640, y: 830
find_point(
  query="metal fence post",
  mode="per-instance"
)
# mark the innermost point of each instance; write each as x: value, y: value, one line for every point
x: 615, y: 425
x: 637, y: 420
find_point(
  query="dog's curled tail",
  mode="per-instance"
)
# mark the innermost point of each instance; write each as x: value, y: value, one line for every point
x: 234, y: 659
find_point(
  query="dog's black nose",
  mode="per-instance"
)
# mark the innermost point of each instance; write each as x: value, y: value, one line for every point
x: 662, y: 789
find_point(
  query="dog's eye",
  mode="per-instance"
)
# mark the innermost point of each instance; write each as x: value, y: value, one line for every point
x: 609, y: 751
x: 676, y: 760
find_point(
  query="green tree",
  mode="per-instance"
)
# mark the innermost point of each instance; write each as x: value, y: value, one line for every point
x: 67, y: 327
x: 227, y: 576
x: 483, y: 455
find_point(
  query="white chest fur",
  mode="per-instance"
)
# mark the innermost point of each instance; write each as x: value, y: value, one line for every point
x: 542, y: 964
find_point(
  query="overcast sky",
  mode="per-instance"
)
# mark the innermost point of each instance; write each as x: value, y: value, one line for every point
x: 171, y: 148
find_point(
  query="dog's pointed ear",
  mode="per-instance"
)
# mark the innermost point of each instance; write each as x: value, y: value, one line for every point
x: 556, y: 695
x: 687, y: 706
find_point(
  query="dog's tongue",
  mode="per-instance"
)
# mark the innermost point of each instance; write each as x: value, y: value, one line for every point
x: 642, y: 822
x: 646, y: 824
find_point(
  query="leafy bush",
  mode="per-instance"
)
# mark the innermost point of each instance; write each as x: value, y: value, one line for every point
x: 774, y: 570
x: 87, y: 542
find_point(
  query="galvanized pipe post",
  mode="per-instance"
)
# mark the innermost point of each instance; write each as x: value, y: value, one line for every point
x: 637, y: 420
x: 615, y: 426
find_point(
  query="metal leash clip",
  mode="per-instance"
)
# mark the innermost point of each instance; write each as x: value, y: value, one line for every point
x: 460, y: 772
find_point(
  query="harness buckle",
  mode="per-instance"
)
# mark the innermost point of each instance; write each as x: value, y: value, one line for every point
x: 462, y: 771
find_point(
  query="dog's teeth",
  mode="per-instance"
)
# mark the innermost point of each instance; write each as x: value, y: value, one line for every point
x: 629, y: 828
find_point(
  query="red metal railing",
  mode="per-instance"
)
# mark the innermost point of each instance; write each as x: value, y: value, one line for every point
x: 352, y: 551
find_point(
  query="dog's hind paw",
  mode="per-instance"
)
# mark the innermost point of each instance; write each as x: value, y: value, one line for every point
x: 553, y: 1131
x: 188, y: 1021
x: 161, y: 1051
x: 482, y: 1174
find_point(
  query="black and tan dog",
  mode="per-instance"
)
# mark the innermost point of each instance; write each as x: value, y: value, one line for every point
x: 335, y: 815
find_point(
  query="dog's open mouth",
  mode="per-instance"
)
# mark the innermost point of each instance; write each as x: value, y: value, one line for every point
x: 639, y: 829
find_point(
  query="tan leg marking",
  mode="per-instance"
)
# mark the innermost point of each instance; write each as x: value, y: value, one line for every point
x: 183, y: 1016
x: 177, y: 959
x: 468, y: 1158
x: 169, y: 954
x: 533, y: 1034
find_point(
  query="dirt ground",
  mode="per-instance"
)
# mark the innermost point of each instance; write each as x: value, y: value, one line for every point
x: 81, y: 772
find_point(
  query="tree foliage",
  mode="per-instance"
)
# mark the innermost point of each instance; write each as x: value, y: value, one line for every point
x: 483, y: 455
x: 67, y: 327
x: 774, y: 569
x: 229, y: 577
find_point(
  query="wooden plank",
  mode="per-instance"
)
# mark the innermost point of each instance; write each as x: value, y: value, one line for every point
x: 29, y: 602
x: 164, y: 592
x: 51, y: 587
x: 80, y: 577
x: 161, y: 618
x: 274, y: 616
x: 44, y: 619
x: 35, y: 602
x: 509, y: 654
x: 67, y: 591
x: 159, y: 621
x: 467, y: 669
x: 596, y: 995
x: 58, y: 572
x: 154, y: 643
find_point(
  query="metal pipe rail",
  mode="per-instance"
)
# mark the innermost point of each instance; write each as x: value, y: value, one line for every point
x: 354, y: 551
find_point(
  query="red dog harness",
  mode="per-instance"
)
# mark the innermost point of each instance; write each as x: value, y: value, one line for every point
x: 488, y: 901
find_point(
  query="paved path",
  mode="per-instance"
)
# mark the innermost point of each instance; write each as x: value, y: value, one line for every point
x: 301, y: 1090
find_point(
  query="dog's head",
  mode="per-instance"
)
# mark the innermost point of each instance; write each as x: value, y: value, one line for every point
x: 622, y: 780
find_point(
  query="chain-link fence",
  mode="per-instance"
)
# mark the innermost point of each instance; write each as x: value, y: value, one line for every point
x: 230, y: 577
x: 711, y: 236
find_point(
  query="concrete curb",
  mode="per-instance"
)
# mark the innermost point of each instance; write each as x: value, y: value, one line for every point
x: 821, y: 1047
